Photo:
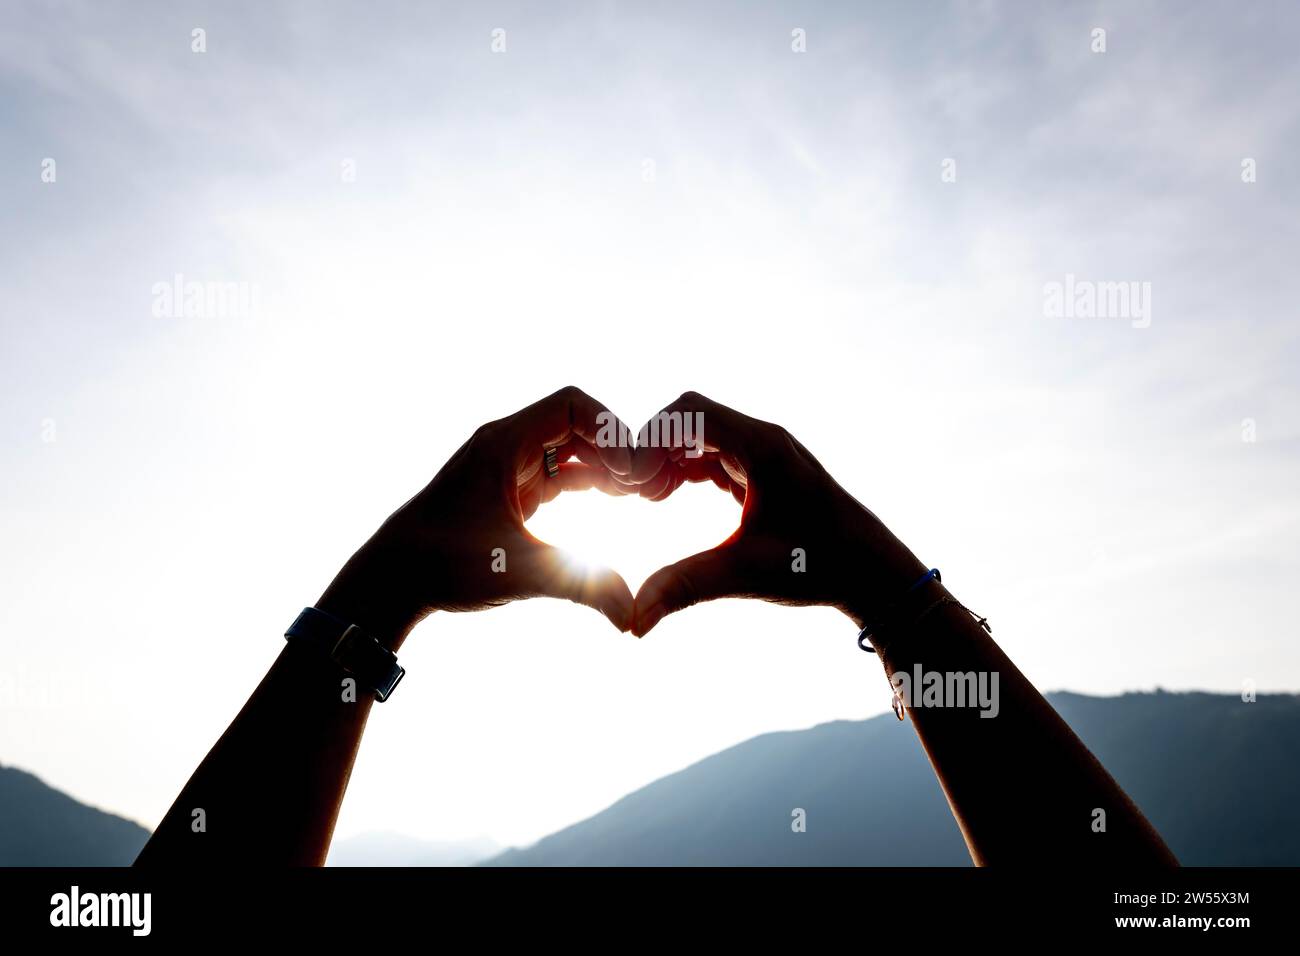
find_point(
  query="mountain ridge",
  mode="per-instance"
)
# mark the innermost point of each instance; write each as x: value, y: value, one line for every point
x: 1181, y: 756
x: 43, y: 826
x: 1218, y: 777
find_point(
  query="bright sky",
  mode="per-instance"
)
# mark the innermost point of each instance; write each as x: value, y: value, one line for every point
x: 637, y: 201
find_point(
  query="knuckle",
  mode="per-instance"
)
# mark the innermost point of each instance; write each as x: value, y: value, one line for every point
x: 774, y: 442
x: 487, y: 433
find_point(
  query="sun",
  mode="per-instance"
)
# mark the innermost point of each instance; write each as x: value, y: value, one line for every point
x: 633, y: 536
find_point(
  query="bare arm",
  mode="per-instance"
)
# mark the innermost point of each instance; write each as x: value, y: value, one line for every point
x: 271, y: 787
x: 1022, y: 786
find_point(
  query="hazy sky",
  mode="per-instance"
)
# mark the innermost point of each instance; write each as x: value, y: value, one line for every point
x: 638, y: 200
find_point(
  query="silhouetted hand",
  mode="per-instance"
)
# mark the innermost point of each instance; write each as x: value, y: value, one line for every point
x: 1020, y: 786
x: 802, y: 538
x: 461, y: 545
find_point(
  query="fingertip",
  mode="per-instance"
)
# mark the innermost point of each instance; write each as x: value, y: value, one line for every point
x: 655, y: 487
x: 646, y: 463
x: 665, y: 492
x: 621, y: 617
x: 645, y: 620
x: 624, y: 481
x: 618, y: 460
x: 618, y: 603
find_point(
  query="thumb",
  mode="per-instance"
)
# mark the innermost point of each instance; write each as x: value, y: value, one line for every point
x: 701, y: 577
x: 552, y: 573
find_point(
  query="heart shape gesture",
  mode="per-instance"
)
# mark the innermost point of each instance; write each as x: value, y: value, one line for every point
x: 802, y: 538
x: 461, y: 545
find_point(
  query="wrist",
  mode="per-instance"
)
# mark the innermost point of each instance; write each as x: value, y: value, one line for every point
x: 384, y: 619
x: 884, y: 569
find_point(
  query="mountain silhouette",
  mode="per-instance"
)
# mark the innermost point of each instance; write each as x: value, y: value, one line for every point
x: 41, y: 826
x: 1219, y: 778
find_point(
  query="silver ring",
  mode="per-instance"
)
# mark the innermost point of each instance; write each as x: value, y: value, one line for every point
x: 551, y: 457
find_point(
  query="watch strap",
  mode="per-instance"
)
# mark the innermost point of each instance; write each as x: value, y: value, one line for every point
x: 374, y: 666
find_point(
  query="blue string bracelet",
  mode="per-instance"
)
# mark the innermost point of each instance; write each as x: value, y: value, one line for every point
x: 893, y: 619
x: 931, y: 575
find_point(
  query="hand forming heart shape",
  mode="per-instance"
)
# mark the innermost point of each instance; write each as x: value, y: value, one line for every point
x: 460, y: 544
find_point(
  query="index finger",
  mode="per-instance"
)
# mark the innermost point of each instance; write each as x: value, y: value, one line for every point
x: 572, y: 413
x: 693, y: 424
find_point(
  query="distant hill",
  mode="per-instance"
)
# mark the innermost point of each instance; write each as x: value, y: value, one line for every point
x: 41, y: 826
x: 1219, y: 778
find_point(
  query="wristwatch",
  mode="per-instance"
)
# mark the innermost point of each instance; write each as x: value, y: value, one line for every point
x: 374, y: 666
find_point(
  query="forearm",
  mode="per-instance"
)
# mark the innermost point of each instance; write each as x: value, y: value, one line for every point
x: 271, y: 787
x: 1022, y: 786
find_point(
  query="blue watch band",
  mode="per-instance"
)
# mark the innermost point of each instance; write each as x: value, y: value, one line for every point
x: 374, y: 666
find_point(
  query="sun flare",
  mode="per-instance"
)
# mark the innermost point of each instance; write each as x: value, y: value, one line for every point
x: 633, y: 536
